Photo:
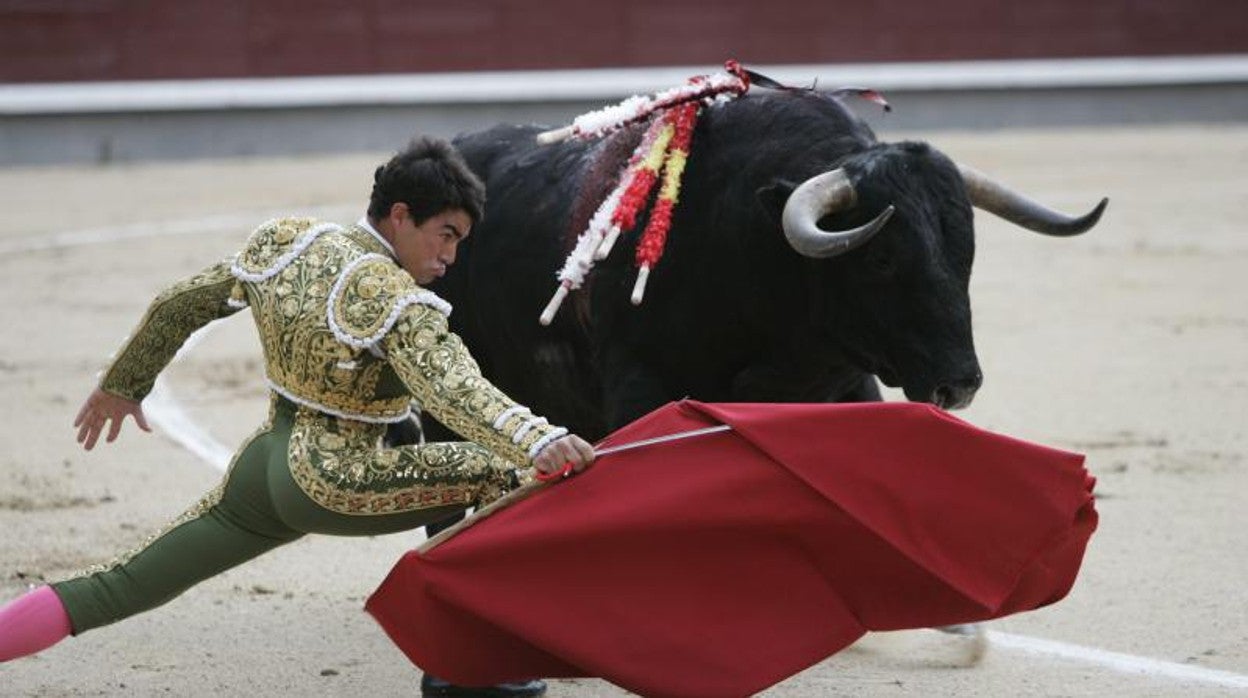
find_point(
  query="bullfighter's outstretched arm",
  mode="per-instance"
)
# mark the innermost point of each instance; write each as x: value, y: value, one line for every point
x: 171, y: 318
x: 444, y: 378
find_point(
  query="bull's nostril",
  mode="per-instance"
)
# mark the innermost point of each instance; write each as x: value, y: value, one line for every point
x: 956, y: 395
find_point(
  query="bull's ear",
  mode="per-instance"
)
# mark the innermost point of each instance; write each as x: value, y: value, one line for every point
x: 773, y: 197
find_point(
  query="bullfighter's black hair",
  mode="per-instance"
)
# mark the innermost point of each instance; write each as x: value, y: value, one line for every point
x: 430, y: 176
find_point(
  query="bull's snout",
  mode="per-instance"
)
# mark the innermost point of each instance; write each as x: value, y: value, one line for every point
x: 957, y: 394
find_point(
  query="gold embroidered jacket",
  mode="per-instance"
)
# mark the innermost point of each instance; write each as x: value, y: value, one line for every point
x: 345, y: 331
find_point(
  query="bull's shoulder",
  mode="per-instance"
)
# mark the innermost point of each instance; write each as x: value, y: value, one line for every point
x: 273, y: 245
x: 369, y: 296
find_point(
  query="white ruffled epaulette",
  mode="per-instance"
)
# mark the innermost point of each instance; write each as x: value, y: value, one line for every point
x: 268, y: 268
x: 390, y: 278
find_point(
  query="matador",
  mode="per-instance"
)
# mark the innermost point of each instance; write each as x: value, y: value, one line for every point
x: 350, y: 341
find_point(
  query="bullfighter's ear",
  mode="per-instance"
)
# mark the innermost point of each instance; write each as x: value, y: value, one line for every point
x: 773, y: 197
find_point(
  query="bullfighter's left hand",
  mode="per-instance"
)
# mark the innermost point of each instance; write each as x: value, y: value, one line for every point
x: 102, y: 408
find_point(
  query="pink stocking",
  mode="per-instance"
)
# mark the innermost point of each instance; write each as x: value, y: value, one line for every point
x: 32, y: 623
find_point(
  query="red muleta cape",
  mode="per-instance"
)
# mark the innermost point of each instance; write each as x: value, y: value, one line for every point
x: 719, y: 565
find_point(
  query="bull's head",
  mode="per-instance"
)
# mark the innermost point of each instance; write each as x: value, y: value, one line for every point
x: 899, y: 304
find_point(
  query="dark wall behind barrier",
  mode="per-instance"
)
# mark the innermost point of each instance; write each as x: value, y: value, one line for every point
x: 85, y: 40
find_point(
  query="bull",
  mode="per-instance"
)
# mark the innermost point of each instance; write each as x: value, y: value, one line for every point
x: 805, y: 258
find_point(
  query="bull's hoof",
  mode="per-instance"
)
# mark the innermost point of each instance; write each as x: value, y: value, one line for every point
x: 971, y: 642
x: 948, y: 647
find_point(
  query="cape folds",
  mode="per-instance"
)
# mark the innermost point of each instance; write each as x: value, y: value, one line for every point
x: 719, y: 565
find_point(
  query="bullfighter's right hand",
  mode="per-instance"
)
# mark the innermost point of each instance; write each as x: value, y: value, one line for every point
x: 103, y: 408
x: 568, y: 449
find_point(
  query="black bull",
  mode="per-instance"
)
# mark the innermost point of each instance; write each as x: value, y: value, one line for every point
x: 733, y: 311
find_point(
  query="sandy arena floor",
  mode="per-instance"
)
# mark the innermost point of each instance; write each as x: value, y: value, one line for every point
x: 1129, y: 344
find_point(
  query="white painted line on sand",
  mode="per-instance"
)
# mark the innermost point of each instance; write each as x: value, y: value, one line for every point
x: 164, y: 412
x: 1118, y: 661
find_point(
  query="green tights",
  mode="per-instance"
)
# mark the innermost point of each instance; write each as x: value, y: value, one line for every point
x: 256, y: 508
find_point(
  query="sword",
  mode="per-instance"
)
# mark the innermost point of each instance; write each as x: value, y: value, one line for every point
x: 524, y: 492
x: 662, y: 439
x: 599, y: 452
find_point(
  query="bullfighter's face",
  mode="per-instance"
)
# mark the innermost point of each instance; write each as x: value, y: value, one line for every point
x: 427, y: 249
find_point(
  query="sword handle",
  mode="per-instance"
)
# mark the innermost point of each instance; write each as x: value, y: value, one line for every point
x: 561, y: 474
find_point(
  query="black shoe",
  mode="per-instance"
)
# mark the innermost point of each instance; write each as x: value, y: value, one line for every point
x: 435, y: 687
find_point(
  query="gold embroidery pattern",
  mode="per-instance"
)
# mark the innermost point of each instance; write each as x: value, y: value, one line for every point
x: 368, y: 294
x: 302, y: 355
x: 270, y: 241
x: 448, y: 384
x: 171, y: 318
x: 339, y: 465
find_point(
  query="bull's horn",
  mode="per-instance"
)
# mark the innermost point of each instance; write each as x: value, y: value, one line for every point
x: 815, y: 198
x: 1002, y: 201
